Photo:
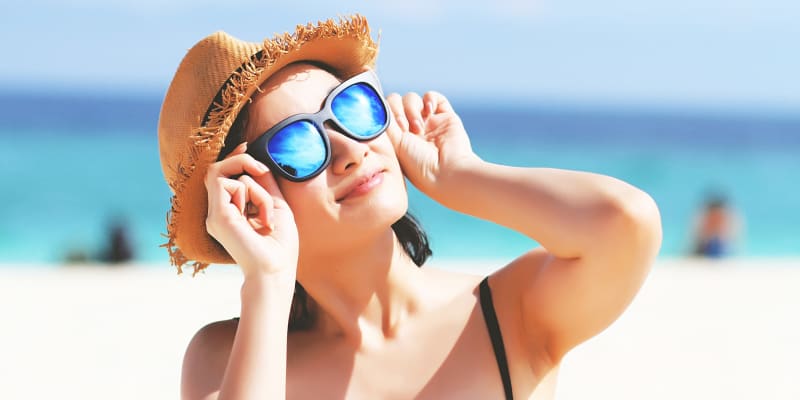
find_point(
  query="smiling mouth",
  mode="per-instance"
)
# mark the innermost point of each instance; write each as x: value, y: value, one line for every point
x: 363, y: 186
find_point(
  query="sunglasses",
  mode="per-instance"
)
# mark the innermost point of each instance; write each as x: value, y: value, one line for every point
x: 298, y: 147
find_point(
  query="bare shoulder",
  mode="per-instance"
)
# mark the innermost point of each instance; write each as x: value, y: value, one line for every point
x: 530, y: 368
x: 512, y: 279
x: 510, y: 285
x: 206, y: 358
x: 559, y: 303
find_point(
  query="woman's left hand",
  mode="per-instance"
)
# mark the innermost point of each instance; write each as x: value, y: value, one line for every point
x: 429, y: 139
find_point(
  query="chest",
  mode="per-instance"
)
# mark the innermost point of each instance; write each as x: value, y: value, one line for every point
x: 444, y: 356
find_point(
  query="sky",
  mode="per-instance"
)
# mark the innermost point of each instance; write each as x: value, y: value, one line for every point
x: 711, y: 53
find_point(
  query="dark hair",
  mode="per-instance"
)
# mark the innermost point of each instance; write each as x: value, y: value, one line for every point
x: 407, y: 229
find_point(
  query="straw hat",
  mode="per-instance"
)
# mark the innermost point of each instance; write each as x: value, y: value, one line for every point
x: 213, y: 81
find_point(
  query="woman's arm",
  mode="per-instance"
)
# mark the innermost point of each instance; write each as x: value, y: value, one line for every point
x: 244, y: 360
x: 599, y: 235
x: 569, y: 213
x: 250, y: 218
x: 257, y: 364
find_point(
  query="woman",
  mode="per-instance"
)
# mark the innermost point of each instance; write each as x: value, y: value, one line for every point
x: 289, y: 157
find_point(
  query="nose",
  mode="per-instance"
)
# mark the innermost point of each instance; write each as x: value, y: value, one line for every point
x: 346, y: 153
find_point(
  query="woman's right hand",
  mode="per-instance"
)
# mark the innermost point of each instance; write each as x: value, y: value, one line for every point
x: 248, y: 215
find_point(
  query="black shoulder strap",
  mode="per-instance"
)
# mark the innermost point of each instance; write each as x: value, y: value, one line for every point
x: 494, y: 333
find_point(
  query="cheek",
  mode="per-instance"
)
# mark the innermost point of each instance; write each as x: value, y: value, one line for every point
x: 383, y: 148
x: 307, y: 201
x: 298, y: 196
x: 383, y: 145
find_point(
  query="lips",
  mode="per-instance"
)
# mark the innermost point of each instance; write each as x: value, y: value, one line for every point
x: 361, y: 185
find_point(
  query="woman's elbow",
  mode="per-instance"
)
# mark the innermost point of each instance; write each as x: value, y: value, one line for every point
x: 632, y: 226
x: 639, y: 223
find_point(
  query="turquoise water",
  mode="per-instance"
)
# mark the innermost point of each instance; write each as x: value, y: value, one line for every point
x: 66, y: 175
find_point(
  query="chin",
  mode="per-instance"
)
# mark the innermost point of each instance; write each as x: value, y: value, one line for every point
x: 380, y: 209
x: 362, y: 224
x: 385, y: 208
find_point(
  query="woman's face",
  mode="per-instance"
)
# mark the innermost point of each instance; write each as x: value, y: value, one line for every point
x: 360, y: 194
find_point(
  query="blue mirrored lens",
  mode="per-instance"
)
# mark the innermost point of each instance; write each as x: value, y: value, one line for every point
x: 360, y: 110
x: 298, y: 148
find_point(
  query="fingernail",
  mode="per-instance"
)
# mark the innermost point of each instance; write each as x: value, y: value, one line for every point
x: 420, y: 124
x: 430, y: 107
x: 261, y: 167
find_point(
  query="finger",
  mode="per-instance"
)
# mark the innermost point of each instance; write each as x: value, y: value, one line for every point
x: 268, y: 183
x: 237, y: 192
x: 431, y: 101
x: 216, y: 190
x: 412, y: 104
x: 428, y: 107
x: 440, y: 102
x: 240, y: 149
x: 236, y: 165
x: 396, y: 104
x: 259, y: 210
x: 399, y: 125
x: 219, y: 190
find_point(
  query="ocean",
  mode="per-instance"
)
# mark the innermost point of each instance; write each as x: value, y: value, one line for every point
x: 74, y: 166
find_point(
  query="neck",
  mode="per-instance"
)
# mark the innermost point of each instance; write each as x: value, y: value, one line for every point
x: 363, y: 294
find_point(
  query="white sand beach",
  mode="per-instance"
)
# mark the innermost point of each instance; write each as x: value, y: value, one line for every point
x: 698, y: 330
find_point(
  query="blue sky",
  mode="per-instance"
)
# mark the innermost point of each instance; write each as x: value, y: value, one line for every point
x: 711, y: 53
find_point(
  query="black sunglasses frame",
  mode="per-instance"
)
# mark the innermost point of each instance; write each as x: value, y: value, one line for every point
x: 259, y: 147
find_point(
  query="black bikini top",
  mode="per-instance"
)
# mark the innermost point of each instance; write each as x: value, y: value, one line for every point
x: 490, y: 318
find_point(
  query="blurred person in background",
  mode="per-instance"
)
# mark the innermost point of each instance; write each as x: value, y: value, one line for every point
x: 118, y: 244
x: 716, y: 228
